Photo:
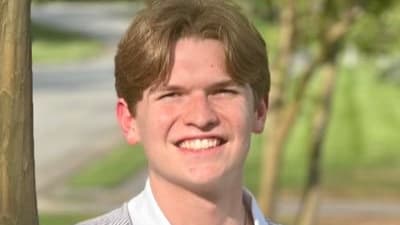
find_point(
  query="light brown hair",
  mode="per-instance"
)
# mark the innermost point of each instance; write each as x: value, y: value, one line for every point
x: 144, y: 57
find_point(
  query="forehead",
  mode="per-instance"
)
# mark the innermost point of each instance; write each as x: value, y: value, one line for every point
x: 202, y: 48
x: 193, y: 56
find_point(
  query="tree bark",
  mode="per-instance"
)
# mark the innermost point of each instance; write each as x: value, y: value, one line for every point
x: 17, y: 179
x: 311, y: 195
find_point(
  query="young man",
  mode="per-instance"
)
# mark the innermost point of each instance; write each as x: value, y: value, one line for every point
x: 192, y: 80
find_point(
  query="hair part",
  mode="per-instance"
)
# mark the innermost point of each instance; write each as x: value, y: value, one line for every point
x: 145, y: 53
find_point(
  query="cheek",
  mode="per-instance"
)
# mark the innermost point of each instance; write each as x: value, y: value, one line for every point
x: 159, y: 120
x: 165, y: 114
x: 239, y: 121
x: 240, y: 116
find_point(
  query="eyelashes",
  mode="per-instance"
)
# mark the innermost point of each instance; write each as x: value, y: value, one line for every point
x: 169, y: 95
x: 218, y: 93
x: 226, y: 91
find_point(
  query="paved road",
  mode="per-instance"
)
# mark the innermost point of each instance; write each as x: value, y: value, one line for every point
x: 74, y: 104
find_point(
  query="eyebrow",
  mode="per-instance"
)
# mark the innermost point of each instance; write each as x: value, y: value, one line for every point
x: 167, y: 88
x: 220, y: 84
x: 223, y: 84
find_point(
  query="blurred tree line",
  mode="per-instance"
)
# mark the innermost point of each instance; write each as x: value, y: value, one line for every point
x: 319, y: 31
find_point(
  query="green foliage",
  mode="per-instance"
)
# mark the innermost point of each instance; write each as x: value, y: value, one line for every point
x: 267, y: 10
x: 369, y: 155
x: 375, y: 31
x: 361, y: 150
x: 378, y: 33
x: 55, y: 46
x: 377, y: 6
x: 270, y: 33
x: 253, y: 163
x: 111, y: 170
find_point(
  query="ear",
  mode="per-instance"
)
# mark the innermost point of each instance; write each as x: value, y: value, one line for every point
x: 260, y: 115
x: 127, y: 122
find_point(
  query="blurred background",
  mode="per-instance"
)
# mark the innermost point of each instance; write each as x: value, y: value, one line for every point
x: 330, y: 152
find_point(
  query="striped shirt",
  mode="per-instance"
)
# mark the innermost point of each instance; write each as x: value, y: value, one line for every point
x: 143, y: 210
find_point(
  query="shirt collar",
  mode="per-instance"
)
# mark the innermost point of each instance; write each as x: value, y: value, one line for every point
x: 143, y: 209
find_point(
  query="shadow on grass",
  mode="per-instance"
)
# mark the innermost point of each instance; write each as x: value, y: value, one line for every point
x: 51, y: 45
x: 43, y: 33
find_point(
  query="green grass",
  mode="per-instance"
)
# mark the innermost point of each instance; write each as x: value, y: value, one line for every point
x: 363, y: 142
x: 60, y: 219
x: 51, y: 45
x: 111, y: 170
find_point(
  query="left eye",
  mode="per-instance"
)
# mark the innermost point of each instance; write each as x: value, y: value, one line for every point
x: 169, y: 95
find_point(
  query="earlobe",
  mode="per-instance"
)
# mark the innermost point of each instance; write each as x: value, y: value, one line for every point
x: 127, y: 122
x: 260, y: 116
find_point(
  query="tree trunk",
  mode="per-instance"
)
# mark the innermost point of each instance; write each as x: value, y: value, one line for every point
x: 282, y: 117
x: 309, y: 205
x: 17, y: 180
x: 271, y: 159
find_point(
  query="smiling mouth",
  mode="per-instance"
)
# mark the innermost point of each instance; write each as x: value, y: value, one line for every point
x: 200, y: 144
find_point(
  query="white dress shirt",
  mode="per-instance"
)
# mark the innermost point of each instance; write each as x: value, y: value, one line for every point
x: 144, y: 210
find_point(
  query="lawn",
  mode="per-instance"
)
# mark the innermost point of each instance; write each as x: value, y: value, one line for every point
x: 114, y: 168
x: 50, y: 45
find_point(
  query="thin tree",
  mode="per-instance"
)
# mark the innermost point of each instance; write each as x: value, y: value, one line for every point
x: 309, y: 205
x: 329, y: 34
x: 272, y: 158
x: 17, y: 181
x: 310, y: 199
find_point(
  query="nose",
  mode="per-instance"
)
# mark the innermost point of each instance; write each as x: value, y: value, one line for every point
x: 200, y: 113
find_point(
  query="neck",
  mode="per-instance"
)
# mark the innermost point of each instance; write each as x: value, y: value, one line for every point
x: 222, y: 206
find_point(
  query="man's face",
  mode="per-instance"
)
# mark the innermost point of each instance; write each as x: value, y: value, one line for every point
x: 196, y: 128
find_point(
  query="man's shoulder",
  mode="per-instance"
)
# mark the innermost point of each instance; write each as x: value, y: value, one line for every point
x: 269, y: 222
x: 119, y: 216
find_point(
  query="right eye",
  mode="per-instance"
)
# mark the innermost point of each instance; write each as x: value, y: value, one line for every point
x: 227, y: 91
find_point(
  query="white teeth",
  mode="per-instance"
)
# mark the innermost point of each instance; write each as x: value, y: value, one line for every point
x: 199, y: 144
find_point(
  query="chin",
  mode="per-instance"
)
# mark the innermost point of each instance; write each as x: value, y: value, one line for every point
x: 208, y: 182
x: 206, y: 189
